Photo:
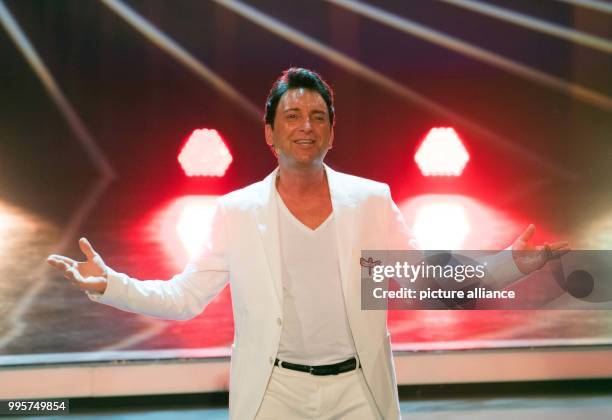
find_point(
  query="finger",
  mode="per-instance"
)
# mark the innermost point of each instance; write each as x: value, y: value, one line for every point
x: 559, y: 245
x: 87, y: 249
x: 73, y: 281
x: 528, y: 233
x: 547, y: 251
x: 58, y: 264
x: 67, y: 260
x: 73, y: 274
x: 68, y: 275
x: 558, y: 253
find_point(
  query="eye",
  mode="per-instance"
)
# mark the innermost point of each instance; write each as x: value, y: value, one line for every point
x: 292, y: 116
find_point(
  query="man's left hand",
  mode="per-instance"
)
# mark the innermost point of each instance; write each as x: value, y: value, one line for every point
x: 529, y: 257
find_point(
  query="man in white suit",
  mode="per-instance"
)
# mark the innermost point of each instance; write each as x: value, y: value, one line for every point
x: 290, y: 247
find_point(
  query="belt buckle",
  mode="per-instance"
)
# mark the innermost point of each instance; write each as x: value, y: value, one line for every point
x: 311, y: 370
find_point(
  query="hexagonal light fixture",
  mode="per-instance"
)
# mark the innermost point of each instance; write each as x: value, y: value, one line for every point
x: 205, y: 154
x: 441, y: 153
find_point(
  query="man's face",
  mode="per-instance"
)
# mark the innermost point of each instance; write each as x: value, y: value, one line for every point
x: 302, y: 132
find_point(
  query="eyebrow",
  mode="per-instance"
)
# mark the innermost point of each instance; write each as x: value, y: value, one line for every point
x: 316, y: 111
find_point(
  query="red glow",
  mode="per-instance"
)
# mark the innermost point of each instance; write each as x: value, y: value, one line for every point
x: 205, y: 154
x: 441, y: 225
x: 441, y: 153
x: 457, y: 222
x: 183, y: 226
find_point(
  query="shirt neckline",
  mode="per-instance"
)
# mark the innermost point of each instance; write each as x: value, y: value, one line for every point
x: 297, y: 221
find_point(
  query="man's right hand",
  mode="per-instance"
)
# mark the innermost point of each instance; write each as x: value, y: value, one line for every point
x: 89, y: 275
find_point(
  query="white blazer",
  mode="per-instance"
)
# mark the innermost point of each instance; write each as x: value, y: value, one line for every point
x: 244, y: 249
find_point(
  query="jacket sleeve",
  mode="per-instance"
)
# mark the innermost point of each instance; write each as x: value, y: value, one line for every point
x: 501, y: 267
x: 185, y: 295
x: 399, y: 236
x: 502, y: 270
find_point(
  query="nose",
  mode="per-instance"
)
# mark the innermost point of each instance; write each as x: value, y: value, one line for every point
x: 306, y: 125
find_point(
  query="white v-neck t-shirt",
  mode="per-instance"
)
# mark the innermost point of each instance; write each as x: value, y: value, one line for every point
x: 315, y: 328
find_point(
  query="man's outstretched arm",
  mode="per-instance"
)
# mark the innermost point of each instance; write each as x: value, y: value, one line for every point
x: 182, y: 297
x: 506, y: 267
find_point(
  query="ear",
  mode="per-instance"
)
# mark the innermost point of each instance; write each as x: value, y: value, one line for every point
x: 268, y: 135
x: 331, y: 138
x: 268, y: 130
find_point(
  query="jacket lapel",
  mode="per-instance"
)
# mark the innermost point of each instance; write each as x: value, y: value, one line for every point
x: 266, y: 216
x: 344, y: 217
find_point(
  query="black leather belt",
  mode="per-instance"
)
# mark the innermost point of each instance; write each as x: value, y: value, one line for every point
x: 335, y: 369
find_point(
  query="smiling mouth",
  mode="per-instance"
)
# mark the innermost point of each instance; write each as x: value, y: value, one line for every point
x: 304, y: 142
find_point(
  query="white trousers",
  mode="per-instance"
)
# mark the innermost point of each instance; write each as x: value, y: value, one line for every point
x: 300, y: 395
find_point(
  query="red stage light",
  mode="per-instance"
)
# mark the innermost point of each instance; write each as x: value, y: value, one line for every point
x: 193, y: 227
x: 183, y: 226
x: 441, y: 153
x: 441, y: 225
x: 447, y: 221
x: 205, y: 154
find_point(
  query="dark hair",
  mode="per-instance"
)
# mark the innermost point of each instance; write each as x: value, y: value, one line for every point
x: 295, y: 78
